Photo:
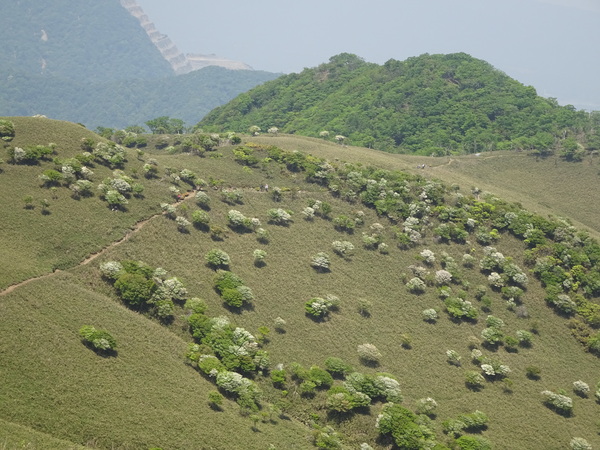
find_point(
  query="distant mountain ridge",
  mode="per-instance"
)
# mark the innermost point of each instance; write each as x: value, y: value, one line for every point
x: 94, y: 64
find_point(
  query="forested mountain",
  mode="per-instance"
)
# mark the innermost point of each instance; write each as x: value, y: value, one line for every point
x: 92, y: 63
x: 427, y: 104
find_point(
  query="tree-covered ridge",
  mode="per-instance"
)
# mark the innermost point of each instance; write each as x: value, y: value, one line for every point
x: 427, y: 104
x: 92, y: 41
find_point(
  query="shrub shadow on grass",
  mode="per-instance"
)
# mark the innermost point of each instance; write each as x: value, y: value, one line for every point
x: 110, y: 353
x: 202, y: 227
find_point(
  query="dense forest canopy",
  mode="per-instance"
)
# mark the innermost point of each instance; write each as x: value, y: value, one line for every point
x: 430, y: 104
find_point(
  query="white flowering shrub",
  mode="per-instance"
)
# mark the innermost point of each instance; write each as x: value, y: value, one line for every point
x: 259, y: 256
x: 383, y: 248
x: 428, y: 256
x: 279, y: 216
x: 238, y: 221
x: 111, y: 270
x: 429, y: 315
x: 581, y: 388
x: 476, y: 354
x: 492, y: 335
x: 460, y: 309
x: 578, y: 443
x: 426, y: 406
x: 388, y: 388
x: 453, y: 357
x: 443, y: 277
x: 182, y: 223
x: 368, y: 353
x: 168, y: 210
x: 308, y: 213
x: 495, y: 280
x: 563, y: 303
x: 262, y: 235
x: 468, y: 260
x: 320, y: 262
x: 494, y: 322
x: 319, y: 307
x: 558, y: 402
x: 202, y: 199
x: 280, y: 324
x: 416, y: 285
x: 370, y: 241
x: 343, y: 248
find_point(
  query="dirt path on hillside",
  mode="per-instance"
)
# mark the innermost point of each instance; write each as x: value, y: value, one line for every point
x: 137, y: 227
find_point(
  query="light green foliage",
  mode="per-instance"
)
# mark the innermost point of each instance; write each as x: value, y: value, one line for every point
x: 279, y: 216
x: 99, y: 340
x: 217, y: 259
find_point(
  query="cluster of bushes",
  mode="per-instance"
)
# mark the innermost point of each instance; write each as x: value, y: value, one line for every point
x: 7, y: 130
x: 110, y: 154
x: 232, y: 290
x: 32, y: 154
x: 319, y: 307
x: 116, y: 191
x: 144, y: 288
x: 238, y: 222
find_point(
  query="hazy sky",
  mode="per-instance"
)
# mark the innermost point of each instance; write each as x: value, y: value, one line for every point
x: 552, y: 45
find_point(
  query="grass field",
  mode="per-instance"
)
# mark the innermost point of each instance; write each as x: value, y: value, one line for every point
x: 146, y: 396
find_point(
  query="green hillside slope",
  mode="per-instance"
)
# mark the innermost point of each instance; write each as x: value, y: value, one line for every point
x: 430, y: 104
x: 493, y: 344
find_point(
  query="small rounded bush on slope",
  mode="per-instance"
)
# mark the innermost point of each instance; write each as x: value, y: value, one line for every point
x: 217, y: 259
x: 99, y: 340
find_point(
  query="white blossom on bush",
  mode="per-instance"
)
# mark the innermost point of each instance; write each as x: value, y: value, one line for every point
x: 428, y: 256
x: 416, y: 285
x: 320, y: 261
x: 443, y: 277
x: 343, y: 248
x: 279, y: 216
x: 578, y: 443
x: 426, y: 406
x: 111, y: 269
x: 182, y: 223
x: 368, y: 352
x: 308, y: 213
x: 581, y: 388
x: 495, y: 280
x: 453, y: 357
x: 430, y: 315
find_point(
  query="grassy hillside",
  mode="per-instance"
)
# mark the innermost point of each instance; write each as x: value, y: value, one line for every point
x: 145, y: 395
x: 430, y: 104
x: 547, y: 186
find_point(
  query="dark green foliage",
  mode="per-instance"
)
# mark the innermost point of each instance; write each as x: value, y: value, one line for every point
x: 278, y: 378
x: 226, y: 280
x: 320, y: 377
x: 232, y: 297
x: 402, y: 424
x: 430, y: 104
x: 134, y: 288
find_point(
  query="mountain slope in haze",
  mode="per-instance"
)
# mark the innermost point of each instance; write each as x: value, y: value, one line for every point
x: 74, y: 40
x: 427, y: 104
x: 117, y: 104
x: 92, y: 63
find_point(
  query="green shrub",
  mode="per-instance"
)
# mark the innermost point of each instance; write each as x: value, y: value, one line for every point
x: 200, y: 218
x: 134, y: 288
x: 337, y: 366
x: 473, y: 443
x: 217, y: 259
x: 320, y: 262
x: 320, y: 377
x: 278, y: 378
x: 7, y: 130
x: 99, y: 340
x: 533, y: 372
x: 402, y: 425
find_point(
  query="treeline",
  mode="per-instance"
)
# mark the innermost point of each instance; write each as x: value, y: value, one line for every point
x: 430, y: 104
